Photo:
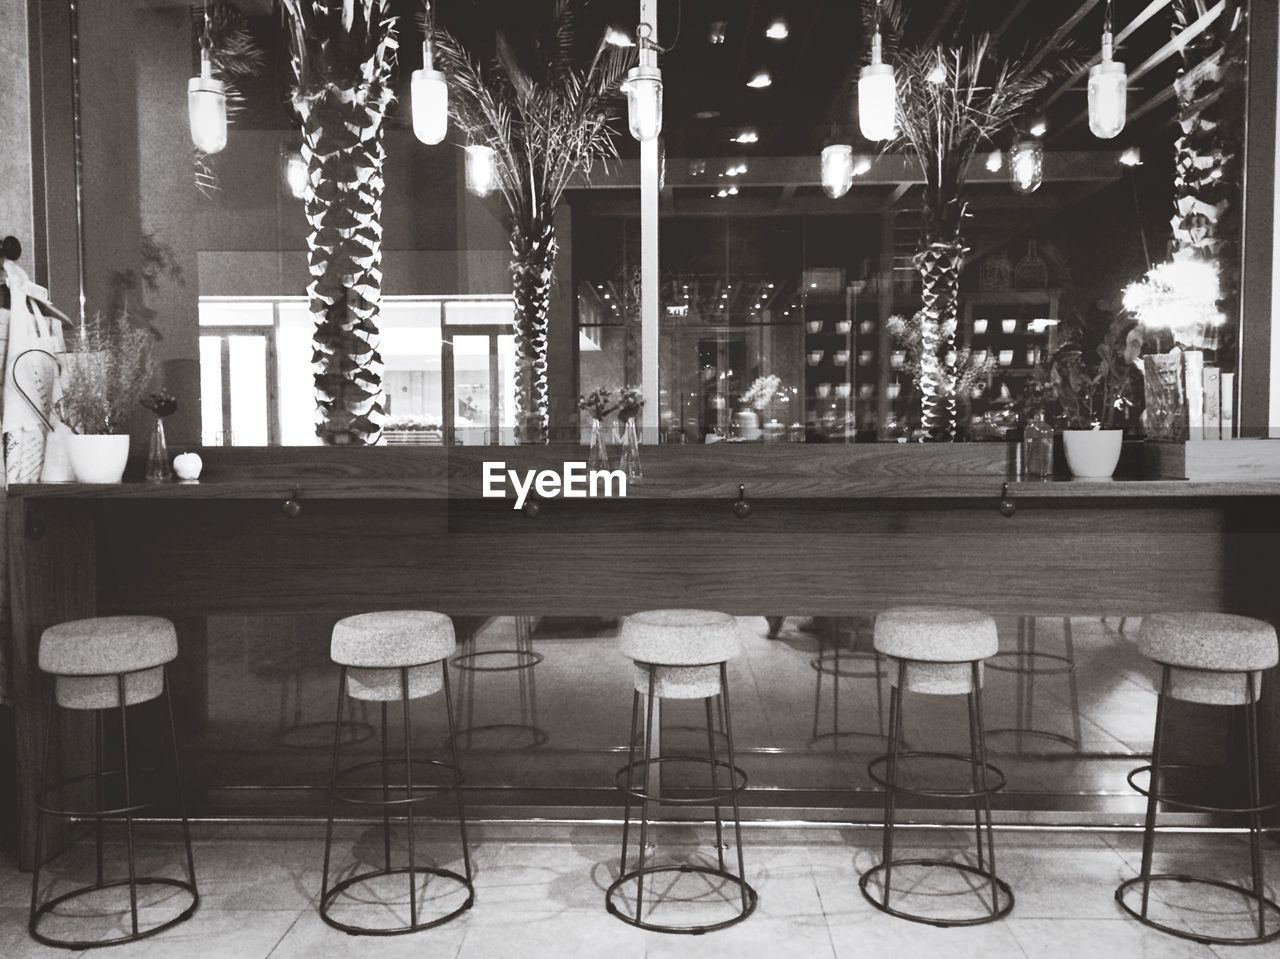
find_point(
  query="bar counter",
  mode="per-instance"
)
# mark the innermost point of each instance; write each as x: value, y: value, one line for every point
x: 816, y: 531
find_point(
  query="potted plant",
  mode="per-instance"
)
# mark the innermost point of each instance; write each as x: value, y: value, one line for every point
x: 1093, y: 390
x: 103, y: 383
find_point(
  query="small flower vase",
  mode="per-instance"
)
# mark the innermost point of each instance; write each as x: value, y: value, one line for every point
x: 598, y: 457
x: 158, y: 468
x: 630, y: 460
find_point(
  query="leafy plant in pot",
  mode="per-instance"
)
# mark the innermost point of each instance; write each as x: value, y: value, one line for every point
x: 1093, y: 390
x: 103, y: 382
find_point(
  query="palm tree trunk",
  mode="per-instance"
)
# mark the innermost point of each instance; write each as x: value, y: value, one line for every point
x: 939, y: 264
x: 533, y: 258
x: 342, y: 147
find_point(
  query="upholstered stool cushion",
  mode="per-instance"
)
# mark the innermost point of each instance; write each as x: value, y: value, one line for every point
x: 87, y: 655
x: 376, y: 646
x: 679, y: 682
x: 680, y: 637
x: 939, y: 643
x: 1211, y: 654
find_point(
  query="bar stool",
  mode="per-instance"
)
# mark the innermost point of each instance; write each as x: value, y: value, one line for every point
x: 837, y: 661
x: 99, y: 665
x: 1214, y: 659
x: 680, y: 654
x: 522, y: 660
x: 390, y: 657
x: 1026, y: 663
x: 939, y: 651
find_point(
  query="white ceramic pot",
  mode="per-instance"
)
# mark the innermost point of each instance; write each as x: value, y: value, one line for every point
x: 98, y: 458
x: 1092, y: 454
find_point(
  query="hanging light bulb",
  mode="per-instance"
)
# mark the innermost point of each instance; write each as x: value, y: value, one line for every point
x: 837, y: 169
x: 995, y: 161
x: 482, y: 169
x: 429, y: 91
x: 1131, y: 157
x: 877, y: 93
x: 1026, y: 164
x: 938, y: 75
x: 861, y: 166
x: 1039, y: 126
x: 643, y: 87
x: 294, y: 169
x: 207, y: 102
x: 1108, y: 89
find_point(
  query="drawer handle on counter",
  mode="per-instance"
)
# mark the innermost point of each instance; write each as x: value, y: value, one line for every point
x: 1007, y: 506
x: 292, y: 507
x: 741, y: 508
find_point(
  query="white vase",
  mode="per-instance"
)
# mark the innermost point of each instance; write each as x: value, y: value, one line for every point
x: 1092, y: 454
x: 98, y: 458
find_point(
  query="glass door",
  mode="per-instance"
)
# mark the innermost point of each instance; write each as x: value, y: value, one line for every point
x: 479, y: 369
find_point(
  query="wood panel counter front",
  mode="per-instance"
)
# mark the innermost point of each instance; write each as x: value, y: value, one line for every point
x: 830, y: 531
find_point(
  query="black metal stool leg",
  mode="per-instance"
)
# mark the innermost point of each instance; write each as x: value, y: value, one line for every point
x: 453, y: 756
x: 1153, y: 790
x: 128, y: 801
x: 180, y: 786
x: 333, y: 781
x: 386, y: 792
x: 1255, y: 800
x: 99, y: 790
x: 1073, y: 681
x: 973, y: 771
x: 631, y: 762
x: 408, y: 795
x: 891, y: 793
x: 733, y: 764
x: 50, y: 731
x: 644, y: 803
x: 715, y: 784
x: 986, y: 793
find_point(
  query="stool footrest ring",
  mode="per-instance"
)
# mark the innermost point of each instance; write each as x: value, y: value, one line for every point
x: 327, y: 902
x: 140, y: 881
x: 474, y: 662
x: 702, y: 799
x: 342, y: 793
x: 883, y: 761
x: 1185, y: 804
x: 711, y: 871
x: 1068, y: 664
x: 1269, y: 905
x: 107, y: 775
x: 1004, y: 892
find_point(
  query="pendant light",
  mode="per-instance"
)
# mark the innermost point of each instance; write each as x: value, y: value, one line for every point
x: 1108, y: 88
x: 481, y: 169
x: 207, y: 100
x: 643, y: 87
x: 995, y: 161
x: 1026, y: 164
x: 837, y: 169
x: 877, y: 93
x: 429, y: 93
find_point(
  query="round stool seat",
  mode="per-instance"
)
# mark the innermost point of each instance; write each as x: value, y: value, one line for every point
x: 686, y: 646
x: 1210, y: 654
x: 938, y: 643
x: 375, y: 647
x: 86, y: 657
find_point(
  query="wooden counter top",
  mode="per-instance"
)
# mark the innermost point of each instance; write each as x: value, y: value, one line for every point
x: 810, y: 472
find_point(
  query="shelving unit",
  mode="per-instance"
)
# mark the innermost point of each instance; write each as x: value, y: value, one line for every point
x: 1024, y: 308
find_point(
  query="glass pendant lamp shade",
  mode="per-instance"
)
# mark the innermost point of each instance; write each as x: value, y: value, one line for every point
x: 877, y: 102
x: 1026, y: 165
x: 643, y: 88
x: 429, y: 93
x: 482, y: 169
x: 1108, y: 93
x: 207, y: 109
x: 837, y: 169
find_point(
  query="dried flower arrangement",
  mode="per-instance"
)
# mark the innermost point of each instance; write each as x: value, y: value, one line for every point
x: 630, y: 402
x: 106, y: 378
x: 596, y: 403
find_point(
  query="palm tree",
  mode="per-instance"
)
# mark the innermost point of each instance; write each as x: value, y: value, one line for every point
x: 343, y: 54
x: 548, y: 120
x: 951, y: 102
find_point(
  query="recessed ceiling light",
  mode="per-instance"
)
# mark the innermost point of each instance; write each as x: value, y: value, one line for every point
x: 760, y: 80
x: 777, y: 30
x: 1131, y: 157
x: 995, y: 161
x: 1039, y: 126
x: 747, y: 136
x: 706, y: 114
x: 719, y: 30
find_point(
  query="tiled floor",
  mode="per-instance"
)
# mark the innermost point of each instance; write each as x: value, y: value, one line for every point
x: 539, y: 892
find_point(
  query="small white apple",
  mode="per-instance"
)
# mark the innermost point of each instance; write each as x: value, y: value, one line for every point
x: 188, y: 466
